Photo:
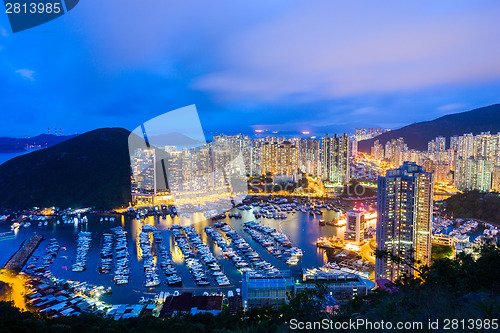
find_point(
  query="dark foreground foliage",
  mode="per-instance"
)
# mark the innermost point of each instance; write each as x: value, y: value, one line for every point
x: 460, y: 288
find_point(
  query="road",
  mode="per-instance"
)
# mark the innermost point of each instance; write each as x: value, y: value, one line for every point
x: 366, y: 251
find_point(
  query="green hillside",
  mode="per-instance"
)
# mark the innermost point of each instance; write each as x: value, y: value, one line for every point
x: 92, y: 169
x: 416, y: 136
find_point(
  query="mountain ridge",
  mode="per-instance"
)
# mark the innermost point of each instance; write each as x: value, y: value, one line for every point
x: 9, y: 144
x: 416, y: 136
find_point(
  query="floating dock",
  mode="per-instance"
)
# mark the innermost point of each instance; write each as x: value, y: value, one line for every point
x: 19, y: 259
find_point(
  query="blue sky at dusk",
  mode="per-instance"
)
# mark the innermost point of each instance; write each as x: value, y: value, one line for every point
x: 283, y: 65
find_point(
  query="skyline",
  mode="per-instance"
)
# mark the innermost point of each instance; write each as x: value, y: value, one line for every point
x: 286, y: 60
x: 355, y: 133
x: 249, y: 165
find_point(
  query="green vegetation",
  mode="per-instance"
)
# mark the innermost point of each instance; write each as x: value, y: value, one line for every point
x: 474, y: 204
x: 90, y: 170
x: 461, y: 288
x: 356, y: 189
x: 441, y: 252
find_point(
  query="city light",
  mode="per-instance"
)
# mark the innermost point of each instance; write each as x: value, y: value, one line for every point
x: 286, y: 203
x: 17, y: 285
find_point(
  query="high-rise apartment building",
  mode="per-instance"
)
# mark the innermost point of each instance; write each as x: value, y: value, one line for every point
x: 473, y: 174
x: 143, y: 171
x: 442, y: 172
x: 404, y: 219
x: 368, y: 133
x: 279, y: 158
x: 437, y: 145
x: 335, y: 159
x: 239, y: 147
x: 495, y: 179
x: 466, y: 145
x: 394, y: 150
x: 377, y: 151
x: 309, y: 156
x: 472, y: 158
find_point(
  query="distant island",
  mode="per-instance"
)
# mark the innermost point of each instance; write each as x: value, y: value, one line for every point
x: 7, y: 148
x: 15, y: 145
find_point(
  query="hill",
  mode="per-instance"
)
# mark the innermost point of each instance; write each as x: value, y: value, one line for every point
x: 40, y: 141
x: 417, y: 135
x: 92, y: 169
x: 474, y: 204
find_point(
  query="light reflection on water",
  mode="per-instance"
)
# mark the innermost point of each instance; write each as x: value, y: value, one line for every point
x: 302, y: 229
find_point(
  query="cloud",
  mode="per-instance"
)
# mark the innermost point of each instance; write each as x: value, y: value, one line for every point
x: 333, y: 50
x: 452, y: 107
x: 245, y: 62
x: 364, y: 110
x: 27, y: 74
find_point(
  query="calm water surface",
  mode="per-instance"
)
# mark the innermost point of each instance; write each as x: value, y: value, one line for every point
x: 301, y: 228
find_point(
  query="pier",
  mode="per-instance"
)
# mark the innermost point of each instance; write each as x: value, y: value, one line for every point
x: 19, y: 259
x: 330, y: 243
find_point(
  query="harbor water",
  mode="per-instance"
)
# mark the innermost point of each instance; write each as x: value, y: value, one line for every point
x: 301, y: 228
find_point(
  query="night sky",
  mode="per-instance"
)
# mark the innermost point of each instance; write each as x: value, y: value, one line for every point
x: 281, y: 65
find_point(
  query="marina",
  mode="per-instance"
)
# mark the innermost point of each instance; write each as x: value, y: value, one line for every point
x: 82, y: 250
x: 474, y: 230
x: 122, y: 269
x: 274, y: 242
x: 151, y: 274
x: 139, y: 258
x: 209, y: 256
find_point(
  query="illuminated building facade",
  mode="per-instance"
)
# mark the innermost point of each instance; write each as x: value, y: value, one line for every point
x: 335, y: 159
x: 266, y: 289
x: 404, y: 219
x: 342, y: 286
x: 309, y: 156
x: 442, y: 172
x: 473, y: 174
x: 467, y: 164
x: 274, y: 289
x: 238, y: 146
x: 279, y: 158
x: 437, y: 145
x: 147, y: 181
x: 368, y: 133
x: 143, y: 178
x: 394, y: 150
x: 377, y: 151
x: 495, y: 179
x: 355, y: 228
